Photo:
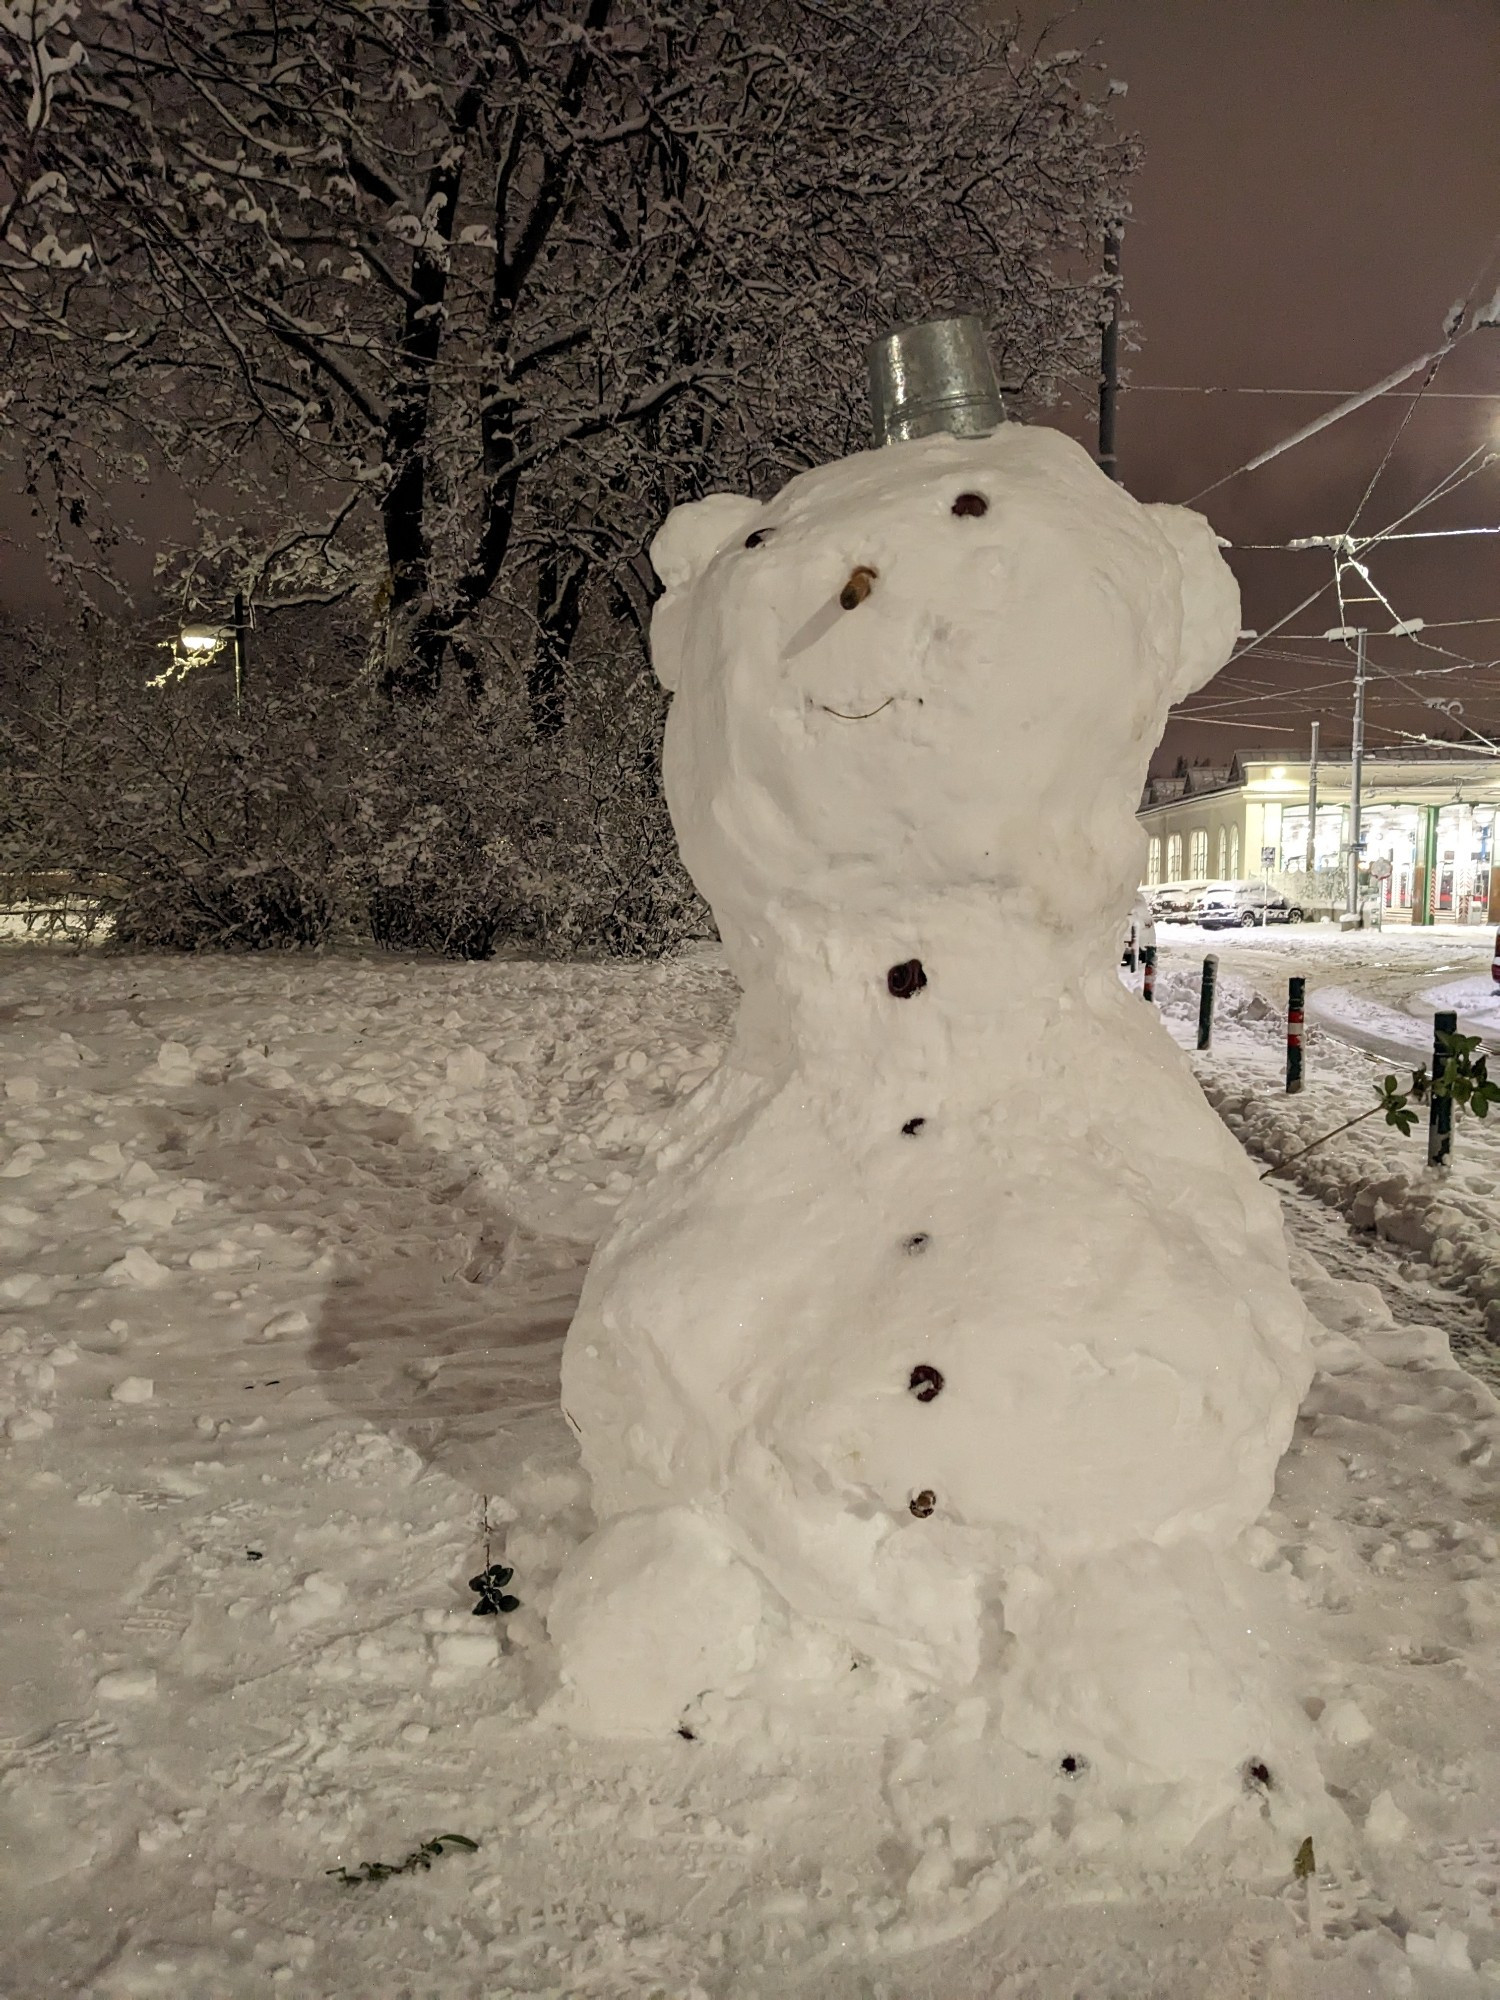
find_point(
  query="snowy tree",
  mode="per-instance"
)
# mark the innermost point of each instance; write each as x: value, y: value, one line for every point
x: 437, y: 305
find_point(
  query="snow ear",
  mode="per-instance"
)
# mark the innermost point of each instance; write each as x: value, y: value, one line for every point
x: 1210, y: 597
x: 687, y: 542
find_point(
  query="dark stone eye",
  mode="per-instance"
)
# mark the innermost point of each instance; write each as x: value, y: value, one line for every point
x: 924, y: 1503
x: 972, y: 504
x: 906, y: 979
x: 1258, y: 1775
x: 912, y: 1126
x: 926, y: 1382
x: 915, y: 1244
x: 1073, y: 1767
x: 754, y: 541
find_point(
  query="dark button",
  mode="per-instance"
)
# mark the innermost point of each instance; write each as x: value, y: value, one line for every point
x: 971, y: 503
x: 906, y: 979
x: 914, y: 1244
x: 924, y: 1503
x: 926, y: 1382
x: 913, y: 1126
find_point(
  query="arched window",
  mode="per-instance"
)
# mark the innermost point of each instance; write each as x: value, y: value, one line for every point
x: 1234, y: 854
x: 1174, y: 857
x: 1198, y: 853
x: 1223, y: 853
x: 1153, y: 862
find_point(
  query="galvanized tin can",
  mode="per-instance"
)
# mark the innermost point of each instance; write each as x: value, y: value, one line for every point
x: 933, y: 377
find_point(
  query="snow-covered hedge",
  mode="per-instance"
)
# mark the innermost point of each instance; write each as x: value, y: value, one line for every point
x: 321, y: 810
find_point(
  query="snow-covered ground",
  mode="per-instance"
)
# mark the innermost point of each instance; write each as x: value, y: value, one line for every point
x: 287, y: 1248
x: 1370, y: 1000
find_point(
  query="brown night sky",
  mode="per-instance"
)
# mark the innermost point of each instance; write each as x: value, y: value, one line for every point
x: 1322, y: 182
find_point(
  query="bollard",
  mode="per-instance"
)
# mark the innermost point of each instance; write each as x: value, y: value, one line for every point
x: 1296, y: 993
x: 1148, y: 972
x: 1440, y: 1109
x: 1206, y: 1002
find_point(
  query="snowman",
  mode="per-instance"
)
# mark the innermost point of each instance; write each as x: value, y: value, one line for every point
x: 947, y: 1335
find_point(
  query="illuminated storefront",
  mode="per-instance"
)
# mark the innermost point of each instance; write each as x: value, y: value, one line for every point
x: 1431, y: 817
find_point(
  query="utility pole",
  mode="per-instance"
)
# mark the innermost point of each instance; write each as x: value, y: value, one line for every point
x: 1356, y: 770
x: 1312, y: 807
x: 1109, y: 354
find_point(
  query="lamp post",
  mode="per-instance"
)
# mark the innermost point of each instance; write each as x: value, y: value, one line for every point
x: 197, y: 645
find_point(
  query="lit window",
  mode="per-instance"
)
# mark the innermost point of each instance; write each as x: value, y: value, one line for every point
x: 1198, y: 853
x: 1223, y: 853
x: 1234, y: 854
x: 1174, y: 857
x: 1153, y: 862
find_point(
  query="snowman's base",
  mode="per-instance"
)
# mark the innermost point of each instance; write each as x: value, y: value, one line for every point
x: 1146, y: 1682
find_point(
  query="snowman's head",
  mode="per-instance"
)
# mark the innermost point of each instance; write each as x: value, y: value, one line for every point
x: 941, y: 665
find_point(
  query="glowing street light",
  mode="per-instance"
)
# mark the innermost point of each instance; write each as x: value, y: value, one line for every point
x: 195, y: 645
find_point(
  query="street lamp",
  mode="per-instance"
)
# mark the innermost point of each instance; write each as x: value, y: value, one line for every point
x: 195, y: 645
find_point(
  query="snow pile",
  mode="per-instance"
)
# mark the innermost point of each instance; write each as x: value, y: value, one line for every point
x: 949, y: 1338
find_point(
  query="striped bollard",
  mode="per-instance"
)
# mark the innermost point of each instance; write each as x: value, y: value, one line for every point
x: 1296, y: 995
x: 1206, y: 1002
x: 1148, y: 972
x: 1440, y: 1109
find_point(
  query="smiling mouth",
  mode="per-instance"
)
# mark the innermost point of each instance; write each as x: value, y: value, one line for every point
x: 862, y: 716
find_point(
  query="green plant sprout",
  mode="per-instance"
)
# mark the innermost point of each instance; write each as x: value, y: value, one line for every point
x: 1463, y: 1077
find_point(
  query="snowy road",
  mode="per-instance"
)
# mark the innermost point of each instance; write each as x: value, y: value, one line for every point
x: 286, y: 1252
x: 1374, y: 989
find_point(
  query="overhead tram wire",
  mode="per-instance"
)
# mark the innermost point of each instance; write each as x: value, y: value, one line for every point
x: 1455, y: 322
x: 1455, y: 332
x: 1393, y: 395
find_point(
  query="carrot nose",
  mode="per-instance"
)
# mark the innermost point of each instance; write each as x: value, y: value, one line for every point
x: 857, y: 589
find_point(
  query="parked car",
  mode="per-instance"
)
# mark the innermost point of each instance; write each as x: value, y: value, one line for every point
x: 1174, y: 902
x: 1240, y: 905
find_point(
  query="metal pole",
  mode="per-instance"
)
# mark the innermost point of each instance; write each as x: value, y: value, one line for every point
x: 1312, y: 809
x: 1296, y: 996
x: 241, y: 628
x: 1148, y: 972
x: 1356, y: 771
x: 1206, y: 1002
x: 1440, y: 1109
x: 1109, y: 354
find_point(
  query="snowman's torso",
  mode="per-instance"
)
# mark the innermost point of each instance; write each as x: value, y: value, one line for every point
x: 933, y: 1283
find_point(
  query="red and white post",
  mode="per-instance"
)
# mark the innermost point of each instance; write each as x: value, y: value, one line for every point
x: 1296, y: 993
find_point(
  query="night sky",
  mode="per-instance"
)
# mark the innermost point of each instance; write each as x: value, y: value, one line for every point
x: 1322, y: 181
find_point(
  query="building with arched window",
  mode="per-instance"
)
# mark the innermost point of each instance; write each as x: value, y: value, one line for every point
x: 1430, y: 814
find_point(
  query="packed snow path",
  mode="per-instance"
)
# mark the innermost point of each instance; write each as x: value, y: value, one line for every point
x: 287, y: 1251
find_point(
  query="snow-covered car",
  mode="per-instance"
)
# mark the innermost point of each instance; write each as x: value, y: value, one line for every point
x: 1241, y: 905
x: 1174, y: 902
